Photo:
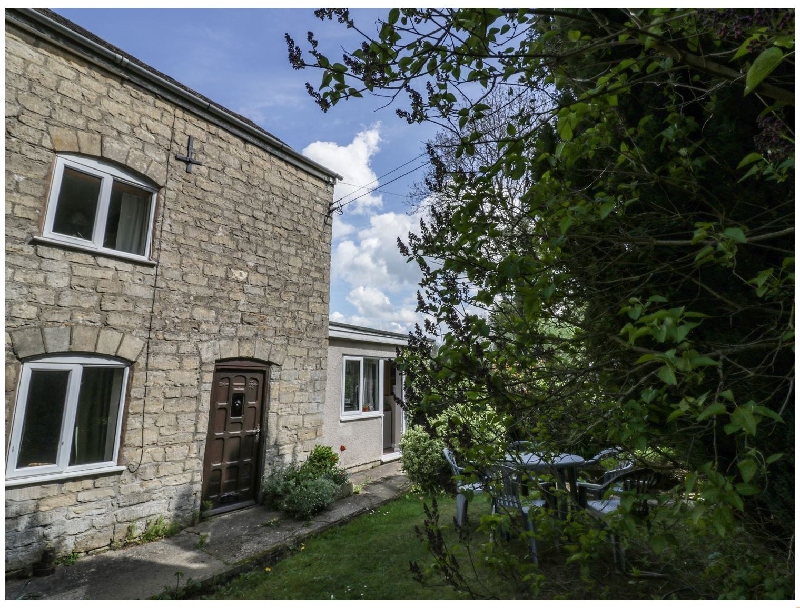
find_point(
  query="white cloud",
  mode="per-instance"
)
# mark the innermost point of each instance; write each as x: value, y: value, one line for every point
x: 369, y: 301
x: 375, y: 309
x: 372, y: 257
x: 341, y: 228
x: 382, y: 286
x: 367, y: 270
x: 352, y: 163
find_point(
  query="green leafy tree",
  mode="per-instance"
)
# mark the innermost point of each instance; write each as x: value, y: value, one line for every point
x: 635, y: 287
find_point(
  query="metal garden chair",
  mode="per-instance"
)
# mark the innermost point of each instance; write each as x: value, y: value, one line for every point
x: 462, y: 488
x: 623, y: 465
x: 509, y: 500
x: 602, y: 500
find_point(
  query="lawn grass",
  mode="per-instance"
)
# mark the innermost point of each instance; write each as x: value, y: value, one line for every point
x: 367, y: 558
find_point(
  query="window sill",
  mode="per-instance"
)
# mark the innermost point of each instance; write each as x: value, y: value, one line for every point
x: 134, y: 259
x: 359, y: 416
x: 48, y: 477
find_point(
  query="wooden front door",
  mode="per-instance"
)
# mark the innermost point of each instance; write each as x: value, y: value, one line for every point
x: 231, y: 465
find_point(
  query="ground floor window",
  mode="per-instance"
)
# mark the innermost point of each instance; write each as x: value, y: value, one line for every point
x: 68, y: 416
x: 362, y: 385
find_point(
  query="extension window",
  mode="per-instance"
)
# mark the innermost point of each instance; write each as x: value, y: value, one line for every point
x: 67, y: 418
x: 362, y: 386
x: 96, y: 206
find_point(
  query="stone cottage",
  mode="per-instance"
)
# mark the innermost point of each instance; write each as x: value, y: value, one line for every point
x: 167, y: 284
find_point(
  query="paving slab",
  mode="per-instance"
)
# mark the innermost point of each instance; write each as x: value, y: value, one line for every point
x: 208, y: 553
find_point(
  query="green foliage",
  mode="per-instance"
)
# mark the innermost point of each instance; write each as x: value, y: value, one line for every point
x: 309, y: 496
x: 611, y: 261
x: 463, y: 426
x: 68, y: 559
x: 158, y: 529
x: 324, y: 462
x: 423, y: 460
x: 302, y: 491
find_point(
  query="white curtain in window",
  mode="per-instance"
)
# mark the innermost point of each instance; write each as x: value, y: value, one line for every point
x: 371, y: 384
x: 132, y: 227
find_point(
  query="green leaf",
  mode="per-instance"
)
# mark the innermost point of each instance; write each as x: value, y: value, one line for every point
x: 564, y: 130
x: 737, y: 501
x: 736, y: 234
x: 761, y: 277
x: 748, y: 468
x: 712, y: 410
x: 774, y: 458
x: 675, y: 414
x: 762, y: 67
x: 394, y: 15
x: 658, y: 543
x: 682, y: 331
x: 766, y: 412
x: 704, y: 252
x: 574, y: 35
x: 744, y: 49
x: 743, y: 418
x: 667, y: 375
x: 750, y: 159
x: 701, y: 361
x: 746, y: 489
x: 649, y: 394
x: 691, y: 480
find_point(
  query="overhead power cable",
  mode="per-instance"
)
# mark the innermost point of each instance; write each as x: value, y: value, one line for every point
x: 338, y: 205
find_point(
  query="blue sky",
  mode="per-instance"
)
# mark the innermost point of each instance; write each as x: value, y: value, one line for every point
x: 238, y: 58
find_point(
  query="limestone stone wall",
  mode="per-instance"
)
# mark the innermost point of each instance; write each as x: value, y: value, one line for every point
x: 239, y: 269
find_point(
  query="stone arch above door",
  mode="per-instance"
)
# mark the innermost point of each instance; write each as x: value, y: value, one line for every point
x: 243, y: 348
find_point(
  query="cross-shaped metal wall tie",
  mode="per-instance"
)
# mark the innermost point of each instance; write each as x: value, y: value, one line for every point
x: 189, y: 159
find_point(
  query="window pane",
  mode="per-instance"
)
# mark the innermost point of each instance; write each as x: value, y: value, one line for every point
x: 128, y: 218
x: 77, y: 204
x: 371, y: 385
x: 96, y: 418
x: 44, y: 412
x: 352, y: 378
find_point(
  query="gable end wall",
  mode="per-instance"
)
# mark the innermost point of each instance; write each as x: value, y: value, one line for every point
x: 240, y: 269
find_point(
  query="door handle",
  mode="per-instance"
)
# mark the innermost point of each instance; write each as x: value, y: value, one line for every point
x: 257, y: 433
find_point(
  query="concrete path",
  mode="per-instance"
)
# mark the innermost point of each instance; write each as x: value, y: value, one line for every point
x: 209, y: 553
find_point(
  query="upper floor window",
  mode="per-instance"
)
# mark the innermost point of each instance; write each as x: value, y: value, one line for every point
x: 68, y: 416
x: 362, y: 386
x: 94, y: 205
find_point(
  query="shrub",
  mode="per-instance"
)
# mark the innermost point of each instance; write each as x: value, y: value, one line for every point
x: 302, y: 491
x: 308, y: 497
x: 280, y: 482
x: 464, y: 426
x: 424, y: 461
x: 323, y: 462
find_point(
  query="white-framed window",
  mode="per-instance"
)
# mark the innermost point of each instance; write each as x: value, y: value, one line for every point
x: 362, y: 386
x: 97, y: 206
x: 67, y: 418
